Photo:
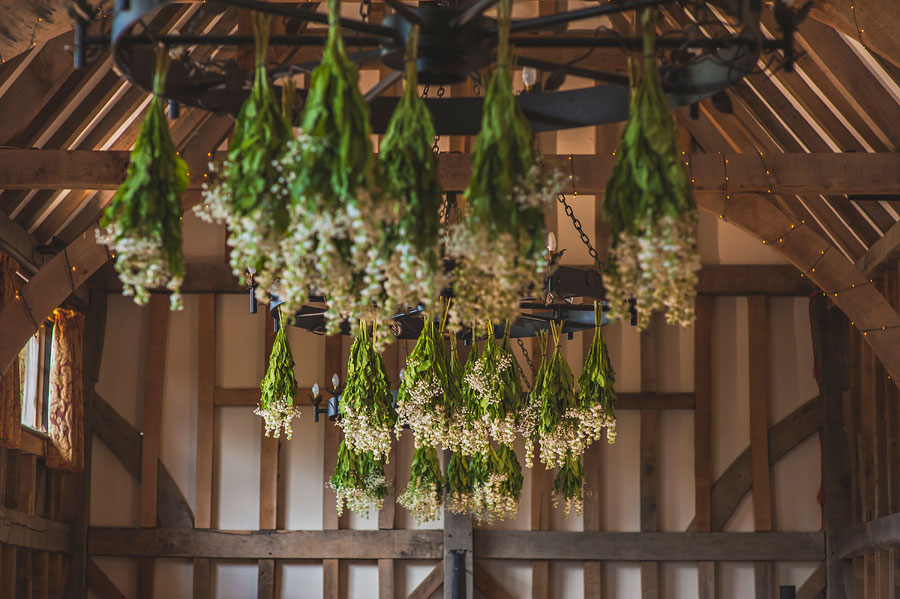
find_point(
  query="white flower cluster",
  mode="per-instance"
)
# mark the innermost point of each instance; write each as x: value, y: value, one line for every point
x: 418, y: 409
x: 593, y: 421
x: 467, y: 432
x: 458, y: 502
x: 491, y: 276
x: 278, y: 416
x: 527, y: 425
x: 142, y: 264
x: 423, y: 501
x: 362, y: 433
x: 572, y: 503
x: 490, y: 503
x: 253, y: 237
x: 485, y: 378
x: 567, y: 437
x: 658, y: 268
x: 361, y: 499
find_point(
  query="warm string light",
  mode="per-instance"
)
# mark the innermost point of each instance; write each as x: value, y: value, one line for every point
x: 768, y: 173
x: 859, y: 32
x: 725, y: 186
x: 572, y: 174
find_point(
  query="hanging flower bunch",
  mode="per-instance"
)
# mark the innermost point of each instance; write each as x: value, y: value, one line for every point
x: 337, y: 227
x: 559, y: 428
x: 569, y: 484
x: 408, y: 174
x: 427, y: 388
x: 650, y: 207
x: 367, y: 405
x: 248, y: 193
x: 424, y: 492
x: 358, y: 481
x: 497, y: 481
x: 495, y: 382
x: 278, y: 389
x: 142, y: 225
x: 468, y: 431
x: 530, y: 414
x: 499, y: 244
x: 459, y: 487
x: 597, y: 396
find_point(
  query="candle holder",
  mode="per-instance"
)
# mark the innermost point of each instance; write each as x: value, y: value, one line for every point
x: 331, y: 407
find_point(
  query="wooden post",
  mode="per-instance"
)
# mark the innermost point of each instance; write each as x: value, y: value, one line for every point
x: 387, y: 515
x: 330, y: 521
x: 649, y: 452
x: 268, y: 483
x: 154, y: 375
x: 828, y: 327
x: 593, y: 499
x: 759, y: 431
x: 706, y: 571
x: 458, y: 538
x: 206, y: 386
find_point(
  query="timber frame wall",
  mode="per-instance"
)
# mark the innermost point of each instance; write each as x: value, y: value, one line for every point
x: 170, y: 528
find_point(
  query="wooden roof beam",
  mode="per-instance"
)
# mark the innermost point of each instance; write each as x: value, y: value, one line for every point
x: 882, y: 252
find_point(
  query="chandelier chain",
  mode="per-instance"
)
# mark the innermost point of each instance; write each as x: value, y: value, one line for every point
x: 435, y: 148
x: 576, y: 222
x: 364, y: 9
x: 527, y: 356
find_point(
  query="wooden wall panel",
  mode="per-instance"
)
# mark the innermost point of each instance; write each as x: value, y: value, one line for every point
x: 330, y: 521
x: 706, y: 571
x: 649, y: 452
x: 268, y: 482
x: 206, y: 387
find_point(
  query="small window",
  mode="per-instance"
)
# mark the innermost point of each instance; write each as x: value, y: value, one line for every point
x: 34, y: 378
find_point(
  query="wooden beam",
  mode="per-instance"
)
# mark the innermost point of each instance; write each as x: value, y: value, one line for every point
x: 264, y: 544
x: 792, y: 173
x: 331, y: 582
x: 20, y: 244
x: 101, y: 584
x: 649, y: 546
x: 45, y: 291
x: 430, y: 584
x: 883, y: 253
x: 28, y: 531
x: 457, y: 536
x: 488, y: 585
x: 649, y: 452
x: 154, y: 376
x: 730, y: 489
x: 753, y: 279
x: 206, y: 387
x: 124, y: 441
x: 706, y: 571
x: 868, y: 537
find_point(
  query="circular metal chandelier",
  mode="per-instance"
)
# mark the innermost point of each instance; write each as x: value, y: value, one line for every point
x: 457, y: 41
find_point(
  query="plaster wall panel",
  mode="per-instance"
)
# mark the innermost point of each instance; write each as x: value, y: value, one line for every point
x: 298, y: 580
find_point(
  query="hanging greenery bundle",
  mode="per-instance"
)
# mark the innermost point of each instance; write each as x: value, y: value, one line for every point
x: 597, y: 395
x: 423, y: 494
x: 142, y: 225
x: 358, y: 481
x: 569, y: 484
x: 499, y: 244
x: 468, y: 431
x: 559, y: 428
x: 530, y: 414
x: 427, y: 388
x: 650, y: 208
x: 408, y: 174
x: 496, y: 388
x: 248, y: 194
x: 278, y: 389
x: 459, y: 489
x: 367, y: 405
x: 337, y: 227
x: 497, y: 481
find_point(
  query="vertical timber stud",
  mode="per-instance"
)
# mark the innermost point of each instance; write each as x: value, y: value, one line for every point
x: 593, y: 500
x: 892, y: 425
x: 879, y: 440
x: 759, y: 441
x: 706, y: 571
x: 268, y: 484
x: 867, y: 446
x: 828, y: 326
x: 458, y: 554
x: 206, y: 383
x: 154, y: 376
x: 330, y: 521
x: 649, y: 476
x: 386, y: 517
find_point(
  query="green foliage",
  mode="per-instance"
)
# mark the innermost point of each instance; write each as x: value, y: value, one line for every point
x: 648, y: 180
x: 597, y: 394
x: 278, y: 389
x: 260, y: 132
x: 143, y: 222
x: 423, y: 495
x: 366, y: 405
x: 557, y: 393
x: 569, y: 484
x: 458, y: 484
x: 358, y: 481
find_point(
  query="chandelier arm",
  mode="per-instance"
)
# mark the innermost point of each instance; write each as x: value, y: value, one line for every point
x: 572, y: 70
x: 286, y: 10
x: 576, y: 15
x: 383, y: 85
x: 477, y: 8
x: 308, y: 67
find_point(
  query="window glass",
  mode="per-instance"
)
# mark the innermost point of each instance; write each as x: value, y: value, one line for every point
x: 34, y: 378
